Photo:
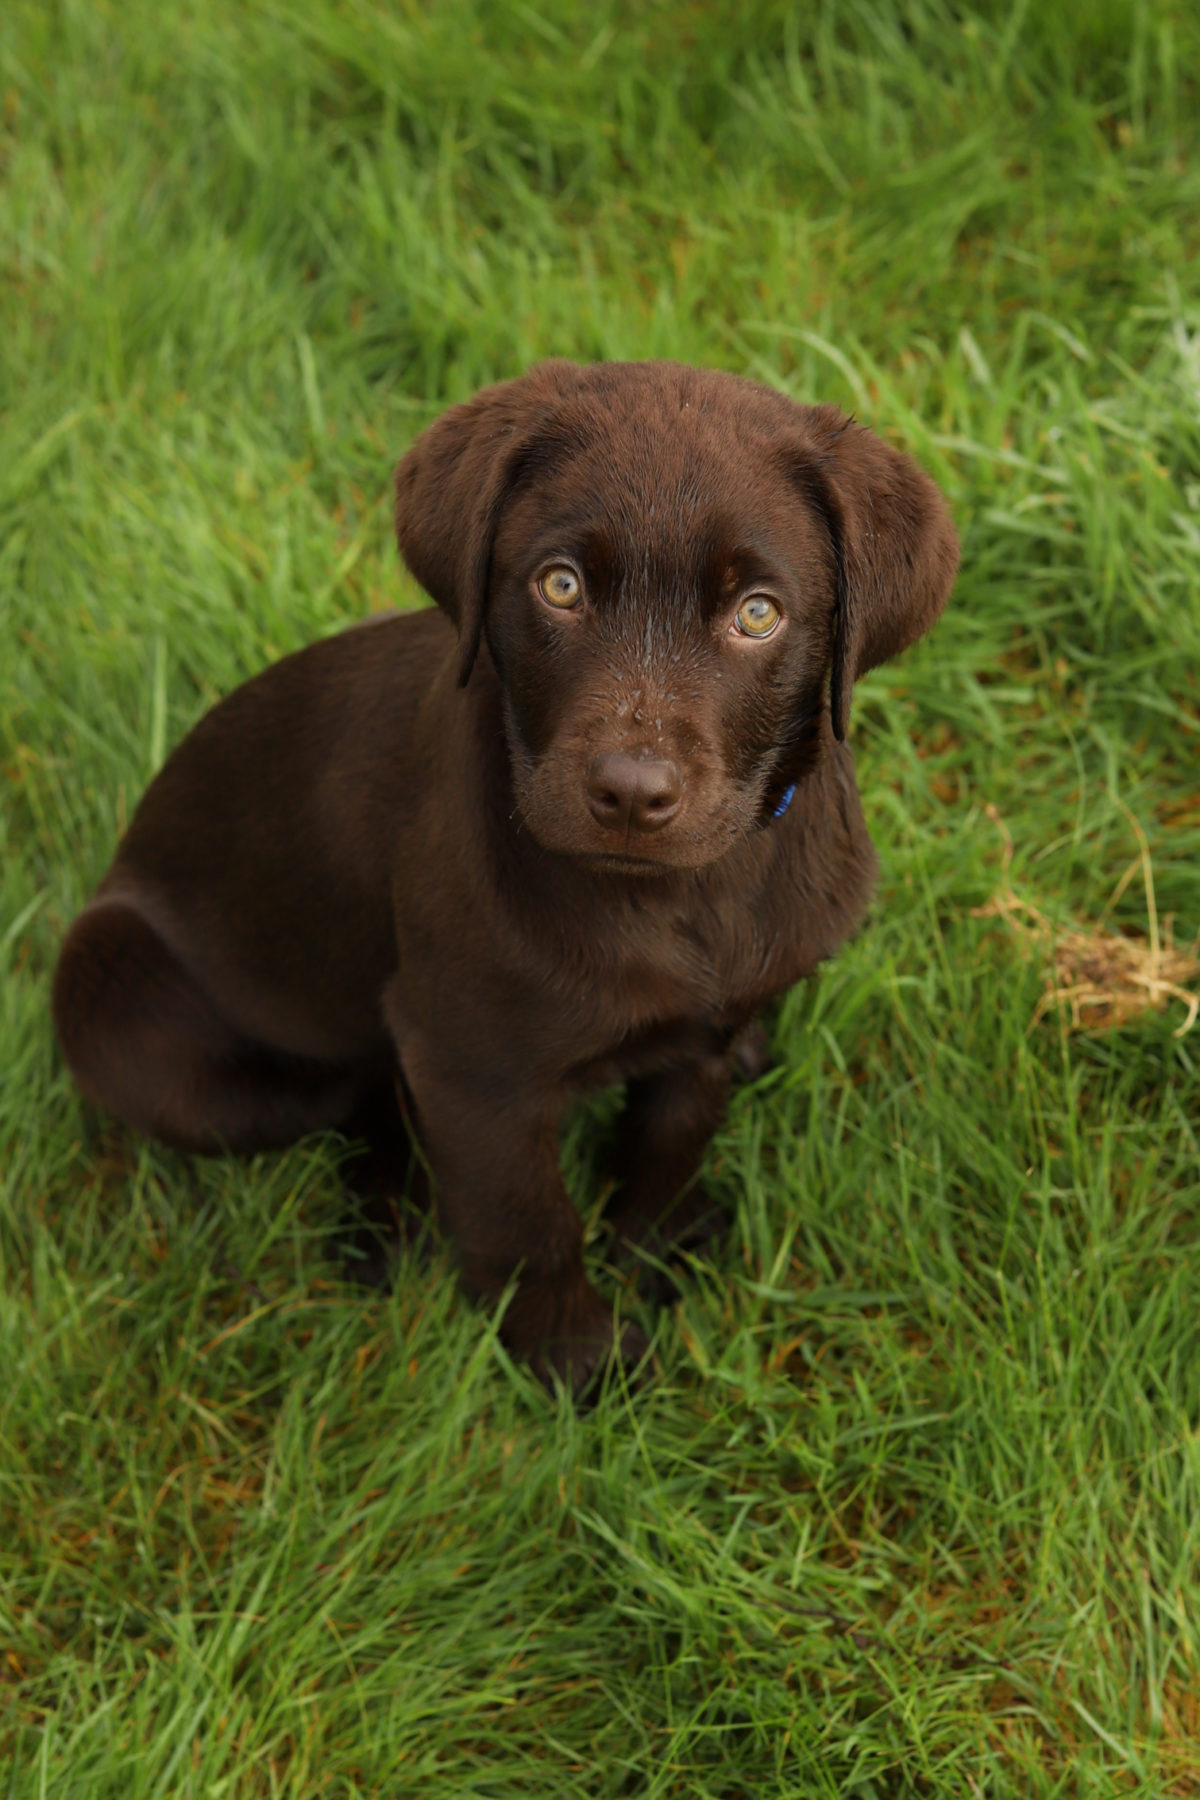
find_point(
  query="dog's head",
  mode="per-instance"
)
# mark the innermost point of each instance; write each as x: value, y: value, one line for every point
x: 670, y: 567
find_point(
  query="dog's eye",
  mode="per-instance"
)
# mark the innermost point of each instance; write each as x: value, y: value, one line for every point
x: 757, y: 617
x: 559, y: 586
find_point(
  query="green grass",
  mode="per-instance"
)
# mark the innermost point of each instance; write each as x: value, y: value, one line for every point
x: 911, y: 1504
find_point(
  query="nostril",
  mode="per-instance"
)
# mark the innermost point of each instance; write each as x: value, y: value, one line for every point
x: 607, y: 801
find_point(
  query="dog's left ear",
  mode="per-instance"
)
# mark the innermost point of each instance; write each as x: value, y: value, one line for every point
x: 896, y: 550
x: 451, y: 486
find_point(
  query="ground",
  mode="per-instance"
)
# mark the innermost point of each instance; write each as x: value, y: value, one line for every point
x: 910, y: 1503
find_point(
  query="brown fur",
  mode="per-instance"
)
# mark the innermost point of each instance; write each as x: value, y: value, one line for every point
x: 507, y: 852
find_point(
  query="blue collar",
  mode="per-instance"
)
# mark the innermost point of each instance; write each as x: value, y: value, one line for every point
x: 785, y: 802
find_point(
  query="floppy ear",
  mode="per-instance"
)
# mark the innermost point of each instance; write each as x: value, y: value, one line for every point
x: 896, y: 550
x: 451, y: 486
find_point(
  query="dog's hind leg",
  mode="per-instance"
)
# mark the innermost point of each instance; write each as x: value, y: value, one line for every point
x: 143, y: 1039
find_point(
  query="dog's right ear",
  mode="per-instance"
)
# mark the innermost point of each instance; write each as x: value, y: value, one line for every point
x: 451, y: 486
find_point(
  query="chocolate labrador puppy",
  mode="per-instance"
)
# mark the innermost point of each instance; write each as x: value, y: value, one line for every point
x: 574, y: 827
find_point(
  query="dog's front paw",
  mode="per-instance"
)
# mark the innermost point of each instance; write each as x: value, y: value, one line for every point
x: 751, y: 1052
x: 659, y: 1238
x: 580, y: 1362
x: 570, y: 1337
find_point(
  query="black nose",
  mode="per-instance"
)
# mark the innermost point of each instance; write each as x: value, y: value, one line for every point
x: 634, y: 793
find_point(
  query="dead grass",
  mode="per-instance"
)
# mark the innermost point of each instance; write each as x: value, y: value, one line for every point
x: 1098, y: 979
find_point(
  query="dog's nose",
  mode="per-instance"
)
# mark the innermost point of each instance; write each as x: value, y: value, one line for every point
x: 637, y: 793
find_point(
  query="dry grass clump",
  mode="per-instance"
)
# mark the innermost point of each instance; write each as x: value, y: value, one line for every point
x: 1101, y: 979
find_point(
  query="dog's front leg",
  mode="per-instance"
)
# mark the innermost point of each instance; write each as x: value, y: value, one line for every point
x: 659, y: 1205
x: 493, y: 1151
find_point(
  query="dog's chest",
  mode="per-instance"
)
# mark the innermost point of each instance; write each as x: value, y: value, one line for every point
x: 662, y: 980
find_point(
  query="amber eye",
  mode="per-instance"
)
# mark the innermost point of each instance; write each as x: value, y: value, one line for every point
x: 757, y: 617
x: 559, y: 586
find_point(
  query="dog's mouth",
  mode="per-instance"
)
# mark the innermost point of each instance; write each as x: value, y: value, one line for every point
x: 609, y: 862
x: 670, y: 855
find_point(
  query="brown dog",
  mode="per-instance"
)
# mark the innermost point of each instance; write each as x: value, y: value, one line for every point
x: 573, y: 829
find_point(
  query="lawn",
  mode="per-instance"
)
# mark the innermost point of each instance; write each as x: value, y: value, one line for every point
x: 910, y: 1503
